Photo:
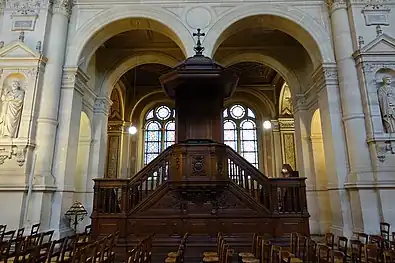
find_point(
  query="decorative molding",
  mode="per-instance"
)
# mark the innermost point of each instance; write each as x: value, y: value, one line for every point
x: 24, y: 22
x: 13, y: 151
x: 375, y: 13
x: 383, y: 148
x: 26, y: 7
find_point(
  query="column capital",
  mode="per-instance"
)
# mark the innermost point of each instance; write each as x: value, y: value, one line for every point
x: 62, y: 6
x: 102, y: 105
x: 334, y: 5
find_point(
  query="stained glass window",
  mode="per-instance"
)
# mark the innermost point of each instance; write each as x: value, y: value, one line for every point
x: 160, y: 131
x: 240, y: 132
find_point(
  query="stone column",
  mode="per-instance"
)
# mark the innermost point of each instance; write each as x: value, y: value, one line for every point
x: 47, y: 121
x: 278, y: 159
x: 98, y: 150
x: 363, y: 201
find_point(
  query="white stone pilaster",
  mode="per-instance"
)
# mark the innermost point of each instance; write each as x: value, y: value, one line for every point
x: 47, y: 120
x: 65, y: 155
x: 364, y: 202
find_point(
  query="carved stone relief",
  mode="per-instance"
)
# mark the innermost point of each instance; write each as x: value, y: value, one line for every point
x: 387, y: 104
x: 9, y: 152
x: 11, y: 105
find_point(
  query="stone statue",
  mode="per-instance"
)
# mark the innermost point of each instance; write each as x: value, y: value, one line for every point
x: 11, y: 103
x: 387, y: 105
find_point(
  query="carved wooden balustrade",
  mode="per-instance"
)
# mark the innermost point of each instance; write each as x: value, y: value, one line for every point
x: 200, y: 181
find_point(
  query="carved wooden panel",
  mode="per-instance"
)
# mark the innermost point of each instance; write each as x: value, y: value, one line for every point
x: 113, y: 156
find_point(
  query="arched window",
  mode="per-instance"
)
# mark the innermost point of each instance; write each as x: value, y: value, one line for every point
x: 159, y: 131
x: 240, y: 132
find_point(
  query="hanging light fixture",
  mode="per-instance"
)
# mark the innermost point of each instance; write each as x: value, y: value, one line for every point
x: 132, y: 130
x: 267, y: 125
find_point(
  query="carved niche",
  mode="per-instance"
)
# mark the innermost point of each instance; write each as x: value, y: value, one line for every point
x: 376, y: 65
x: 20, y: 68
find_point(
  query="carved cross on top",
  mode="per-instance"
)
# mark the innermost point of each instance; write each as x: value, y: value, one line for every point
x: 198, y: 48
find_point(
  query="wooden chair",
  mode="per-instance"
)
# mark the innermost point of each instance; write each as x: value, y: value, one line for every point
x: 254, y: 254
x: 371, y: 253
x: 364, y: 238
x: 337, y: 256
x: 220, y: 238
x: 355, y: 251
x: 323, y: 253
x: 276, y: 254
x: 301, y: 249
x: 342, y: 244
x: 330, y: 240
x: 221, y: 255
x: 35, y: 229
x: 266, y: 251
x: 389, y: 256
x: 385, y: 230
x: 311, y: 251
x: 56, y: 249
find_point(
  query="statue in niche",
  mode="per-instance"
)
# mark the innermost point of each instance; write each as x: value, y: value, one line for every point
x: 11, y: 103
x: 387, y: 105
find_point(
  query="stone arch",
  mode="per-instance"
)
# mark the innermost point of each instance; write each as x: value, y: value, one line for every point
x: 255, y: 101
x: 91, y: 35
x: 287, y: 74
x: 291, y: 20
x: 128, y: 63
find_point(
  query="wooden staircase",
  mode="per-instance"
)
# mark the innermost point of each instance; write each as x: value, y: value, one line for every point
x: 201, y: 188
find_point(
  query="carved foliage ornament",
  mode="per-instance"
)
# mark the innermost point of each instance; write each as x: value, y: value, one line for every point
x: 336, y: 4
x: 384, y: 148
x: 19, y: 153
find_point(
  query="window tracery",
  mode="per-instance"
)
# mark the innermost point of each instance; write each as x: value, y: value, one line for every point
x: 159, y: 131
x: 240, y: 132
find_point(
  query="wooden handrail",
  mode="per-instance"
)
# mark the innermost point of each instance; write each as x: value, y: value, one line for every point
x: 140, y: 176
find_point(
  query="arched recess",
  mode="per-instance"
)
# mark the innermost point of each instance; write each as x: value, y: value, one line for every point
x: 114, y: 74
x: 287, y: 74
x: 321, y: 177
x: 285, y: 107
x: 83, y: 154
x: 118, y: 19
x: 137, y: 118
x: 291, y: 20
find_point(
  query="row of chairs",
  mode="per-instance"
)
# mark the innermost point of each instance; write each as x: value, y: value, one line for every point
x: 360, y: 247
x: 178, y: 256
x: 142, y: 252
x: 6, y: 235
x: 101, y: 251
x: 263, y: 251
x: 38, y: 247
x: 223, y: 252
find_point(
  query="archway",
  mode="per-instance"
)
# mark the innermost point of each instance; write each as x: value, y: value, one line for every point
x: 295, y: 50
x: 117, y: 20
x: 321, y: 176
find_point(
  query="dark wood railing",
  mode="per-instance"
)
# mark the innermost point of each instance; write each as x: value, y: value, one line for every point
x: 279, y: 196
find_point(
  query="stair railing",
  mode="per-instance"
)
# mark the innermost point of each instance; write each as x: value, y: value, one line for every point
x: 150, y: 178
x: 279, y: 195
